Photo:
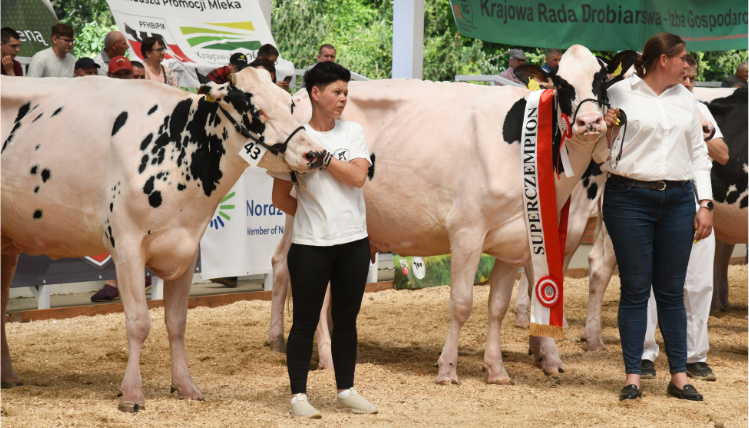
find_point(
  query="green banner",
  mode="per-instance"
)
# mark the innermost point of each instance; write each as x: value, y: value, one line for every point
x: 433, y: 271
x: 607, y: 25
x: 33, y: 21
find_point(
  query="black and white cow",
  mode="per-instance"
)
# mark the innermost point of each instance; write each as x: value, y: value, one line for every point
x: 136, y: 169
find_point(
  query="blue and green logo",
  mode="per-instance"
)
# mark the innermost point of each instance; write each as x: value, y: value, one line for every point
x: 217, y: 222
x: 228, y: 36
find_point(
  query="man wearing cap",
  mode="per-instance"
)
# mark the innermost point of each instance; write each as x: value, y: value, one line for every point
x: 85, y: 67
x: 237, y: 62
x: 115, y: 44
x: 517, y: 57
x: 120, y: 68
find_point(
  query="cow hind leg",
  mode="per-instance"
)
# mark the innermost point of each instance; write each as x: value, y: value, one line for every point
x: 280, y: 289
x: 176, y: 293
x: 723, y: 252
x: 602, y: 263
x: 463, y: 271
x: 9, y: 377
x: 522, y: 302
x: 322, y: 335
x: 503, y: 279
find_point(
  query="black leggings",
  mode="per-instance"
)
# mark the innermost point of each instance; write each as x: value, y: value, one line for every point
x: 310, y: 268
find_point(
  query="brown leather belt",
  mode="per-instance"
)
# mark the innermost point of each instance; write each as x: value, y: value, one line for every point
x: 652, y: 185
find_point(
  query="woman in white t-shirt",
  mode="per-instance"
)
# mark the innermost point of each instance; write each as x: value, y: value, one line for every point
x: 329, y: 243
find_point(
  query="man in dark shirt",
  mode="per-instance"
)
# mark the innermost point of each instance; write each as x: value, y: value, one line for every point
x: 11, y: 43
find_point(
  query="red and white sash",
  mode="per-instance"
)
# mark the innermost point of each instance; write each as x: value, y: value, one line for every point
x: 546, y: 236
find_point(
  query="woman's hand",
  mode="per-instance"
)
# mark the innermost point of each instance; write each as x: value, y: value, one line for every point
x: 612, y: 123
x: 703, y: 224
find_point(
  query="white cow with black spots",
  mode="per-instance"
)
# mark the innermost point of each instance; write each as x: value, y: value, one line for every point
x: 136, y: 169
x: 459, y: 146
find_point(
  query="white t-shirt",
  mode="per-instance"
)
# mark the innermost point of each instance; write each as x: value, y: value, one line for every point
x: 330, y: 212
x: 46, y: 63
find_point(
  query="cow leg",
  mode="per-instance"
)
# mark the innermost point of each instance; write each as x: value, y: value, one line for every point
x: 522, y: 302
x: 7, y: 269
x: 176, y: 293
x: 463, y: 271
x: 324, y: 330
x: 723, y: 252
x: 602, y: 262
x: 280, y: 289
x: 503, y: 279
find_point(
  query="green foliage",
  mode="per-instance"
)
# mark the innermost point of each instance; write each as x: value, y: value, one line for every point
x: 716, y: 66
x: 78, y: 13
x: 90, y: 40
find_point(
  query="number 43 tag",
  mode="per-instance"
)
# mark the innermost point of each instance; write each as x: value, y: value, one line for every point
x: 252, y: 152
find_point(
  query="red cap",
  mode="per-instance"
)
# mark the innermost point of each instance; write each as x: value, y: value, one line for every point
x: 119, y: 63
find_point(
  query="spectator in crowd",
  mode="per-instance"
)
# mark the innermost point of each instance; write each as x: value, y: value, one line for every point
x: 326, y: 54
x: 55, y: 61
x: 11, y: 43
x: 517, y: 57
x: 698, y: 286
x: 649, y: 204
x: 115, y: 44
x: 265, y: 64
x: 120, y: 68
x: 139, y: 72
x: 237, y: 62
x: 329, y: 242
x: 85, y: 67
x: 553, y: 56
x: 152, y: 49
x: 738, y: 80
x: 270, y: 53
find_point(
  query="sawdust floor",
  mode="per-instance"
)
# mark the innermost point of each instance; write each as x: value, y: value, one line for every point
x: 73, y: 369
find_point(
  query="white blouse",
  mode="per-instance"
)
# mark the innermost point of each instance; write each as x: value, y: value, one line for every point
x: 663, y: 138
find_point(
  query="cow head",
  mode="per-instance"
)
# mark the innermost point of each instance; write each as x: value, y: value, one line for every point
x: 256, y: 104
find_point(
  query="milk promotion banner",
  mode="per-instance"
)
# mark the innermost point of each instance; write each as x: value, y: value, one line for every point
x: 244, y: 231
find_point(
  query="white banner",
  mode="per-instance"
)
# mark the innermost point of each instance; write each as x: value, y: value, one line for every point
x: 244, y: 231
x: 200, y: 34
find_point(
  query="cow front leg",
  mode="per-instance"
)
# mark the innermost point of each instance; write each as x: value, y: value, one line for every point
x: 602, y: 262
x: 463, y: 272
x: 137, y: 325
x: 281, y: 284
x: 522, y: 302
x: 176, y: 293
x: 722, y: 258
x: 8, y: 268
x: 503, y: 279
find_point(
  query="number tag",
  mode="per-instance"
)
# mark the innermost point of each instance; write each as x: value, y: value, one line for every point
x: 252, y: 152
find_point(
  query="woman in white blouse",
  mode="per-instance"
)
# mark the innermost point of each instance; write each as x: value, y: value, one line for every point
x: 658, y: 166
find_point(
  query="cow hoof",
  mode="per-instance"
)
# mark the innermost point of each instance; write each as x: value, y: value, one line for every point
x: 553, y: 371
x: 448, y: 382
x: 502, y: 381
x: 522, y: 324
x: 173, y: 389
x: 8, y: 384
x: 277, y: 345
x: 131, y: 407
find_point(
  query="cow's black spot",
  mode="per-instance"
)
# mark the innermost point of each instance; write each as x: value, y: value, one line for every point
x: 371, y: 169
x: 512, y: 128
x: 153, y: 109
x: 111, y: 237
x: 38, y: 117
x: 34, y: 169
x: 57, y: 111
x: 45, y: 175
x: 729, y: 181
x: 36, y: 189
x: 149, y: 232
x: 22, y: 112
x: 155, y: 199
x: 181, y: 187
x: 119, y: 122
x: 111, y: 207
x: 37, y: 214
x: 743, y: 202
x: 593, y: 191
x: 37, y: 147
x: 143, y: 164
x: 146, y: 141
x: 148, y: 187
x: 565, y: 95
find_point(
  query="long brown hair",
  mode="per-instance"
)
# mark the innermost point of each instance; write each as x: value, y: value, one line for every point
x: 661, y: 44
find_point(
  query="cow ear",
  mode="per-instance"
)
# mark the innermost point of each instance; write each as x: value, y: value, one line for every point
x: 620, y: 63
x: 202, y: 79
x: 526, y: 71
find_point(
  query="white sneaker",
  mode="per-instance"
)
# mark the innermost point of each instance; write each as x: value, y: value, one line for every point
x: 301, y: 408
x: 355, y: 403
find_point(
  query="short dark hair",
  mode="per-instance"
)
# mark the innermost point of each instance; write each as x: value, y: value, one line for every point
x: 266, y: 64
x: 137, y: 64
x: 553, y: 51
x: 267, y: 50
x: 326, y: 46
x: 323, y: 74
x: 147, y: 44
x: 9, y: 33
x: 62, y: 30
x: 691, y: 61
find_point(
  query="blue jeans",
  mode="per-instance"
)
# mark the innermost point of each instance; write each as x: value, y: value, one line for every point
x: 652, y: 232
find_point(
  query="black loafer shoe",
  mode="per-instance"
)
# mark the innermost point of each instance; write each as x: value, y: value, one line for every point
x: 630, y: 392
x: 647, y: 369
x: 688, y: 393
